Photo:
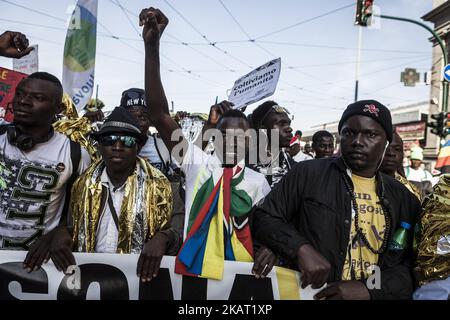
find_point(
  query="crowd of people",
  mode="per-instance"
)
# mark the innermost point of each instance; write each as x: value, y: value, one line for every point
x: 337, y: 217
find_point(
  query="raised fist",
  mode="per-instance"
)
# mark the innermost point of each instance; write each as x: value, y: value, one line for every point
x: 154, y: 22
x: 14, y: 45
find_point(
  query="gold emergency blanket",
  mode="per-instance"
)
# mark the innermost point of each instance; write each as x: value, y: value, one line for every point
x: 433, y: 251
x: 146, y: 207
x: 412, y: 188
x: 78, y: 131
x: 69, y: 109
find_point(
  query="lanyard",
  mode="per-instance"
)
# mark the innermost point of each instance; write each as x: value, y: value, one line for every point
x: 113, y: 210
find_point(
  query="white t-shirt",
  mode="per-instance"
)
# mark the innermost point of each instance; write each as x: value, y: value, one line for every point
x: 198, y: 166
x: 33, y: 188
x: 150, y: 150
x: 300, y: 156
x: 418, y: 175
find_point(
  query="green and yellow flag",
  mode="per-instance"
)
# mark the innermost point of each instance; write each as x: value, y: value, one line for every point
x: 79, y: 53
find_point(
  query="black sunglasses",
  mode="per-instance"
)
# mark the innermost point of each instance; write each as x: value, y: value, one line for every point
x: 127, y: 141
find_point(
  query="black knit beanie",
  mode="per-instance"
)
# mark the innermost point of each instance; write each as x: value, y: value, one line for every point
x: 372, y: 109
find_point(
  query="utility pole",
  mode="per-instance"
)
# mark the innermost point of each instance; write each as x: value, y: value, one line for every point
x: 96, y: 98
x: 358, y: 62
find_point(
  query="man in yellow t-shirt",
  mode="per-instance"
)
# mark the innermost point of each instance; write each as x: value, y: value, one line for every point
x: 341, y: 220
x: 372, y: 222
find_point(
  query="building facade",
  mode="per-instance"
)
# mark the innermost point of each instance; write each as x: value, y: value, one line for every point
x: 440, y: 17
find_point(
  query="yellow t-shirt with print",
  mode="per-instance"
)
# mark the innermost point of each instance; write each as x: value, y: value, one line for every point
x: 373, y: 224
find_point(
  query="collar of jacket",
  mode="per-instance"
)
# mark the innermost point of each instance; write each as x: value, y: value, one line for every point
x: 342, y: 167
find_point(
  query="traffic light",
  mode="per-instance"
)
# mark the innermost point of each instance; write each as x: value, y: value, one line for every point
x: 446, y: 130
x: 363, y: 12
x: 437, y: 125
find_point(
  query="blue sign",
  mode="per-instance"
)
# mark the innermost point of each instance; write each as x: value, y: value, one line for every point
x: 447, y: 72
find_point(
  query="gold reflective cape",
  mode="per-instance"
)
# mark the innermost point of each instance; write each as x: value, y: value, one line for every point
x: 78, y: 131
x: 433, y: 251
x: 412, y: 188
x: 146, y: 207
x: 69, y: 108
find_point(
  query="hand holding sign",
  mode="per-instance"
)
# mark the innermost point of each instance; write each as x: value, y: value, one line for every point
x: 56, y: 245
x: 61, y: 249
x: 38, y: 253
x: 265, y: 260
x: 217, y: 111
x: 150, y: 258
x: 14, y: 45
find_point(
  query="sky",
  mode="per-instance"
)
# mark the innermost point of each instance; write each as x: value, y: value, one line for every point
x: 316, y: 40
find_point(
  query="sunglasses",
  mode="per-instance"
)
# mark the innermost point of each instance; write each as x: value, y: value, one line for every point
x: 111, y: 140
x: 280, y: 109
x: 277, y: 109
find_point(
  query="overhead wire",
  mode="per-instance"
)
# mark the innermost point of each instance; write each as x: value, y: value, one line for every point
x: 133, y: 25
x: 306, y: 21
x: 188, y: 72
x: 313, y: 45
x: 369, y: 73
x: 289, y: 67
x: 211, y: 43
x: 126, y: 11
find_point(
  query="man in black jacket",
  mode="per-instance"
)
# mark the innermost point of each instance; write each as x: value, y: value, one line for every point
x: 336, y: 219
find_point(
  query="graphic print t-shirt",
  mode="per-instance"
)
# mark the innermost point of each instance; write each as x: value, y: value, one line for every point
x: 372, y: 222
x: 33, y: 189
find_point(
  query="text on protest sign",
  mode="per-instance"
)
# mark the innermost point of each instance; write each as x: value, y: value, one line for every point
x: 256, y: 85
x: 113, y: 276
x: 29, y: 63
x: 9, y: 80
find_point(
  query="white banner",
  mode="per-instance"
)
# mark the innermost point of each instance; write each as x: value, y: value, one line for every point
x: 256, y: 85
x: 101, y: 276
x: 79, y: 53
x: 28, y: 64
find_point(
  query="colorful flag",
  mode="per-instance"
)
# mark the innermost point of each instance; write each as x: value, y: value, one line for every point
x: 214, y: 232
x: 443, y: 160
x: 79, y: 53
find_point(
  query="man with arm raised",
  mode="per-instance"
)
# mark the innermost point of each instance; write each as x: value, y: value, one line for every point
x: 208, y: 177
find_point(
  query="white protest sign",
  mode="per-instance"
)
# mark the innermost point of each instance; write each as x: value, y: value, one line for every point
x: 29, y: 63
x: 256, y: 85
x: 101, y: 276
